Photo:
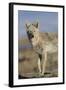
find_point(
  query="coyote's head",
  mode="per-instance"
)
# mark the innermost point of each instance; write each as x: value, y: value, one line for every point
x: 32, y: 29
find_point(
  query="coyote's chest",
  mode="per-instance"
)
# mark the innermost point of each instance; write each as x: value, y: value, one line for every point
x: 38, y: 49
x: 37, y: 46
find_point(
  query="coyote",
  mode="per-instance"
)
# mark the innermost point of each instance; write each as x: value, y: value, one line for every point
x: 42, y: 46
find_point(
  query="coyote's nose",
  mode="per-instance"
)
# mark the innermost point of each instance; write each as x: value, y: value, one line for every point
x: 30, y: 35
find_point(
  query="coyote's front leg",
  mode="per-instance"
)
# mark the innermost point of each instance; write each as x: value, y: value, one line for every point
x: 39, y: 65
x: 44, y: 60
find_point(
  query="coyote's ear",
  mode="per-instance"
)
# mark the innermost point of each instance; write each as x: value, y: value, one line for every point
x: 36, y: 24
x: 27, y: 25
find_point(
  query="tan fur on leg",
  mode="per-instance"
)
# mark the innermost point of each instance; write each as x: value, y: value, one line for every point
x: 44, y: 60
x: 39, y: 65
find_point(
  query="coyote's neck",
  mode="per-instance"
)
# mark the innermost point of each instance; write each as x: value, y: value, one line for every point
x: 36, y: 39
